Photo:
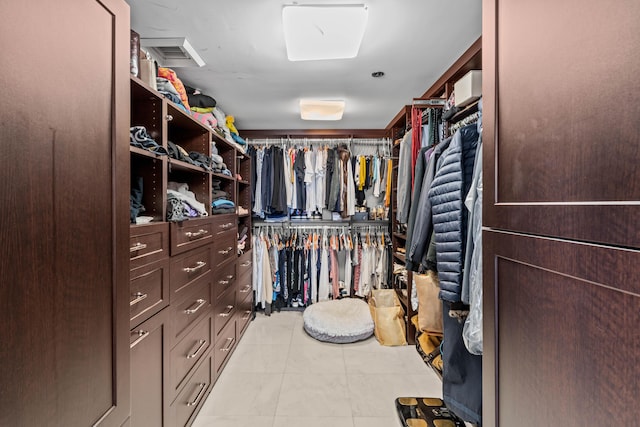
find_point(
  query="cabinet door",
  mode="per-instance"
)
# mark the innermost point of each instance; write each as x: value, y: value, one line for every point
x: 149, y: 345
x: 561, y: 130
x: 561, y: 147
x: 565, y: 350
x: 64, y: 354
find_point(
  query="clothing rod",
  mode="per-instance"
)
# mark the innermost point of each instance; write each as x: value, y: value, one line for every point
x: 328, y: 141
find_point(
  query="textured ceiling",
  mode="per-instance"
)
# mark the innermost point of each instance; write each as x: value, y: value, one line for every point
x: 247, y: 71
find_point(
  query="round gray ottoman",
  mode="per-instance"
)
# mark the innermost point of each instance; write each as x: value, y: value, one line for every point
x: 339, y: 321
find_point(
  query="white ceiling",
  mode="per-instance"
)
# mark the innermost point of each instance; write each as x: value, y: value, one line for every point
x: 247, y: 71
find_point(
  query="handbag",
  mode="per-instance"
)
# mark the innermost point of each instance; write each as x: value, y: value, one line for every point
x: 429, y: 304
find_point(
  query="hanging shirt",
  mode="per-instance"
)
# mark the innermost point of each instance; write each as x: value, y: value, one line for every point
x: 257, y: 207
x: 310, y: 181
x: 321, y: 166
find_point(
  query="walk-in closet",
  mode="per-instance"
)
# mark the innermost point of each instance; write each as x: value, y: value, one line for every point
x: 347, y: 214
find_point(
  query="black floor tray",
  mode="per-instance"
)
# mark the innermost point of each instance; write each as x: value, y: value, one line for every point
x: 426, y: 412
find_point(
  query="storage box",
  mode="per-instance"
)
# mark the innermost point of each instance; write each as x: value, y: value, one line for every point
x: 360, y: 216
x: 468, y: 88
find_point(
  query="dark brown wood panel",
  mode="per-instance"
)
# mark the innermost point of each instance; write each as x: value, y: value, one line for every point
x: 312, y: 133
x: 567, y: 348
x: 65, y: 168
x: 149, y: 345
x: 471, y: 59
x: 561, y: 128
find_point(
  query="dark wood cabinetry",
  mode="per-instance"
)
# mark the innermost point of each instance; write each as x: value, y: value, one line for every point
x: 63, y: 262
x: 149, y: 344
x: 561, y: 139
x: 187, y: 269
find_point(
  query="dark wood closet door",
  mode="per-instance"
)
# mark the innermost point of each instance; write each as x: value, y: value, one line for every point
x: 562, y: 182
x: 562, y: 109
x: 567, y: 341
x: 64, y: 208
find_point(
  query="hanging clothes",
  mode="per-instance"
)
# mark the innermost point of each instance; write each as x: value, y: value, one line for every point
x: 404, y: 179
x: 257, y: 207
x: 324, y: 281
x: 321, y: 168
x: 310, y: 181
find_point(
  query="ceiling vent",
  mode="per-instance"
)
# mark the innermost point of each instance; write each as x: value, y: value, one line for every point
x: 172, y: 52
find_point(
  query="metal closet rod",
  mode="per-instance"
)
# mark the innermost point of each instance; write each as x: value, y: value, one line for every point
x: 338, y: 226
x: 322, y: 141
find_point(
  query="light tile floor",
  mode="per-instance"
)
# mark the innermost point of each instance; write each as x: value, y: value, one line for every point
x: 279, y: 376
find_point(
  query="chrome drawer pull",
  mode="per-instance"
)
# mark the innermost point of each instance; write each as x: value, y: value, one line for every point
x: 227, y: 225
x: 198, y: 233
x: 141, y: 335
x: 245, y: 289
x: 230, y: 341
x: 139, y: 297
x: 194, y: 402
x: 225, y: 252
x: 245, y: 264
x: 137, y: 247
x: 202, y: 343
x: 247, y: 315
x: 228, y: 312
x: 198, y: 266
x: 230, y: 276
x: 223, y: 282
x: 200, y: 303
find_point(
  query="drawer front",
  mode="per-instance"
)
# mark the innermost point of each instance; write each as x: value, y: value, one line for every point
x: 189, y: 351
x: 224, y: 311
x: 243, y: 315
x: 224, y: 346
x: 193, y: 394
x: 245, y: 263
x: 188, y: 269
x: 149, y: 371
x: 223, y: 224
x: 223, y: 278
x: 197, y: 304
x: 149, y: 291
x: 148, y: 243
x: 244, y: 286
x: 190, y: 234
x: 225, y: 248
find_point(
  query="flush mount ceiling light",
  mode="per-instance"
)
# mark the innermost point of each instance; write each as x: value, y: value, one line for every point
x: 172, y: 52
x: 314, y: 32
x: 311, y: 109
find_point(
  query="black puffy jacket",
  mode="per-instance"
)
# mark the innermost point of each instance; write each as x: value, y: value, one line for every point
x: 448, y: 190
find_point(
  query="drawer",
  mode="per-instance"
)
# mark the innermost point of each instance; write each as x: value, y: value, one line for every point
x: 186, y: 269
x: 148, y: 243
x: 197, y: 304
x: 243, y: 315
x: 193, y: 394
x: 223, y: 278
x: 244, y: 286
x: 224, y: 346
x: 224, y: 224
x: 225, y: 248
x: 149, y: 291
x: 149, y: 375
x: 245, y: 263
x: 187, y: 352
x: 190, y: 234
x: 224, y: 311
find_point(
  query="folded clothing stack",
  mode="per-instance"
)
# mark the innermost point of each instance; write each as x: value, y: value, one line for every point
x: 221, y: 203
x: 182, y: 203
x: 139, y: 137
x: 195, y: 158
